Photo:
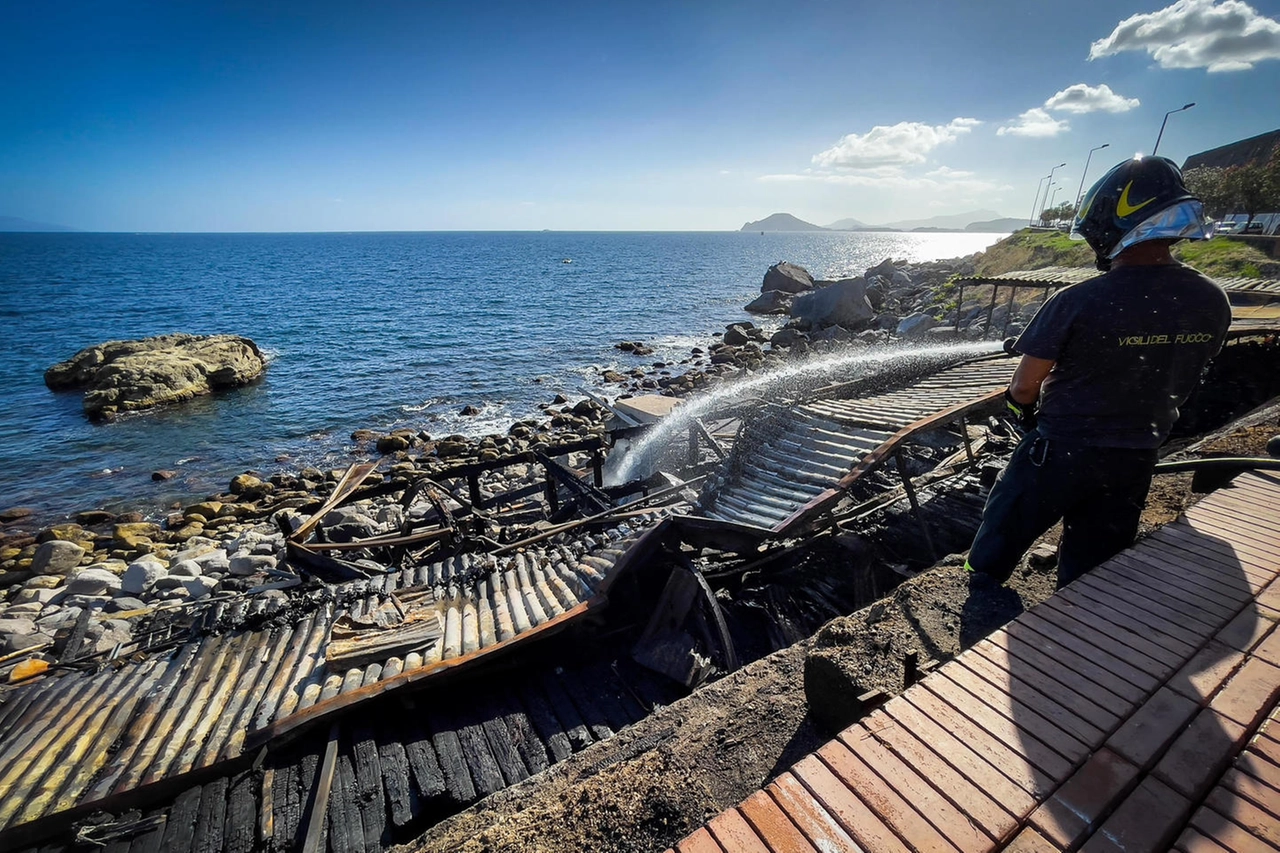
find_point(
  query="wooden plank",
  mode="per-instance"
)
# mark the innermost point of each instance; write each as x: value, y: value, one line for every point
x: 318, y: 815
x: 551, y: 732
x: 402, y: 802
x: 521, y: 733
x: 428, y: 777
x: 1024, y: 698
x: 287, y: 802
x: 211, y: 817
x: 371, y: 800
x: 1025, y: 677
x: 733, y: 833
x: 479, y: 759
x: 855, y: 817
x: 241, y: 830
x: 1157, y: 572
x: 179, y: 829
x: 1093, y: 633
x: 1058, y: 645
x: 502, y: 745
x: 1117, y: 611
x: 1012, y: 764
x: 699, y: 842
x: 780, y: 835
x: 915, y: 791
x: 346, y: 833
x: 1014, y: 735
x: 979, y: 805
x: 448, y: 749
x: 817, y: 824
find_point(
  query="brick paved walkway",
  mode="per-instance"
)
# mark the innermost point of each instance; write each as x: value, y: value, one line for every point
x: 1135, y: 710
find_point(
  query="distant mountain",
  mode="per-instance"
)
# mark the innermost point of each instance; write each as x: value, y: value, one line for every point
x: 1006, y: 225
x: 848, y: 225
x: 13, y: 223
x: 781, y: 222
x: 952, y: 221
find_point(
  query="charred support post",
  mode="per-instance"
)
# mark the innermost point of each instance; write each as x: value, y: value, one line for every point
x: 910, y: 668
x: 710, y: 439
x: 991, y: 309
x: 1013, y: 295
x: 959, y: 304
x: 597, y: 467
x: 915, y: 504
x: 968, y: 445
x: 314, y: 838
x: 691, y: 458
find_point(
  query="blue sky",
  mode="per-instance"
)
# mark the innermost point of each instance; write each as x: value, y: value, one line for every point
x: 600, y: 116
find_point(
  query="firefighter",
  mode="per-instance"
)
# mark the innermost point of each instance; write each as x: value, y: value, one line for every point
x: 1105, y: 365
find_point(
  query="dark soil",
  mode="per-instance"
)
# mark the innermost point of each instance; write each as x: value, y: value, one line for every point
x: 654, y: 783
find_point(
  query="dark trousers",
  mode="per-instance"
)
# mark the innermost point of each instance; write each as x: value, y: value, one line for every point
x: 1097, y: 492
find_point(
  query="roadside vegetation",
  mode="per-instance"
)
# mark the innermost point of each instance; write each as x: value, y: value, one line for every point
x: 1033, y: 249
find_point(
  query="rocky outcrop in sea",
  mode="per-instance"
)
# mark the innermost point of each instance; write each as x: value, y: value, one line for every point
x: 894, y: 300
x: 126, y: 376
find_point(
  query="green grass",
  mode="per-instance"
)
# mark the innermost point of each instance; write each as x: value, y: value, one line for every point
x: 1033, y: 250
x: 1223, y: 257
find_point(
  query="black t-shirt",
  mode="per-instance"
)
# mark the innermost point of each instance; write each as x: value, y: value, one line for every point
x: 1128, y: 349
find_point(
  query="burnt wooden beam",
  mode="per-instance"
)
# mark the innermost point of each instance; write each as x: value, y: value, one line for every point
x: 915, y: 505
x: 320, y: 791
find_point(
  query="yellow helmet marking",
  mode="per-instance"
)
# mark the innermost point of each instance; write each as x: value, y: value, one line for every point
x: 1124, y: 208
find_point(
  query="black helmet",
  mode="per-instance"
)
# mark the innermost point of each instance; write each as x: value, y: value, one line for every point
x: 1126, y: 197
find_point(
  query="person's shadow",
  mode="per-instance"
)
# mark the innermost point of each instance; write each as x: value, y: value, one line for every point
x: 1106, y: 702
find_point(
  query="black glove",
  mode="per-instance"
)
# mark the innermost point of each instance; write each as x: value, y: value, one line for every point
x: 1023, y: 415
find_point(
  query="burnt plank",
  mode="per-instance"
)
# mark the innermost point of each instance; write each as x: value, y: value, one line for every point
x: 211, y: 817
x: 448, y: 748
x: 574, y: 726
x: 479, y: 758
x: 179, y: 830
x: 501, y: 742
x: 595, y: 703
x: 242, y: 814
x: 372, y: 801
x: 425, y: 774
x: 545, y: 722
x: 346, y: 834
x: 286, y: 800
x: 402, y: 800
x: 121, y: 845
x: 521, y: 733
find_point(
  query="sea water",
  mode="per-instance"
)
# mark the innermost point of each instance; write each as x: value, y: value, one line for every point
x: 364, y: 330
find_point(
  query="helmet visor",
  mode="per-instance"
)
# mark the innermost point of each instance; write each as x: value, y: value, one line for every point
x: 1184, y: 220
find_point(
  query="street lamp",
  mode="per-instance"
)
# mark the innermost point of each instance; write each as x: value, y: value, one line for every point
x: 1080, y: 192
x: 1056, y: 187
x: 1035, y: 201
x: 1166, y: 121
x: 1046, y: 189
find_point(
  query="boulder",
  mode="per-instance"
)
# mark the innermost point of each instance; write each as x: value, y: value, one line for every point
x: 93, y: 581
x: 788, y: 278
x: 124, y: 376
x: 243, y: 565
x: 770, y: 302
x: 915, y: 325
x: 199, y: 587
x: 133, y: 534
x: 844, y: 304
x: 141, y: 576
x: 885, y: 269
x: 186, y: 569
x: 736, y: 336
x: 786, y: 337
x: 56, y: 557
x: 393, y: 443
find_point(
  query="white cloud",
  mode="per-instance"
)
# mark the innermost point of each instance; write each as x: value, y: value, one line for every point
x: 1034, y: 122
x: 1226, y: 36
x: 903, y: 144
x: 1083, y: 98
x: 939, y: 180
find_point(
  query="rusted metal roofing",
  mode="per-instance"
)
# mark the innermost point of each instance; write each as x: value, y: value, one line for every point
x: 82, y: 738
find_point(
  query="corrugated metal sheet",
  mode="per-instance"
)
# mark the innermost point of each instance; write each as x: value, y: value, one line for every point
x: 784, y: 462
x: 78, y: 738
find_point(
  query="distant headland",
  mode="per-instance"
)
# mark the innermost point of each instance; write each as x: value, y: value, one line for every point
x: 975, y: 220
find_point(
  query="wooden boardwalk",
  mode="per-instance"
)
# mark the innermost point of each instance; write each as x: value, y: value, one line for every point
x: 1134, y: 710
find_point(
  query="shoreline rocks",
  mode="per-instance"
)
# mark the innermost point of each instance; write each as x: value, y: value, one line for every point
x: 127, y: 376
